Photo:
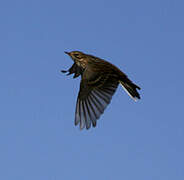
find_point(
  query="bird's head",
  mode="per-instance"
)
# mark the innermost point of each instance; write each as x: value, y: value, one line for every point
x: 77, y: 56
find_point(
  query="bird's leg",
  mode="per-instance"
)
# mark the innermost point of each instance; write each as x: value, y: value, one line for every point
x: 76, y: 70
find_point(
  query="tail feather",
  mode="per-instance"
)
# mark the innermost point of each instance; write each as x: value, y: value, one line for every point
x: 131, y: 90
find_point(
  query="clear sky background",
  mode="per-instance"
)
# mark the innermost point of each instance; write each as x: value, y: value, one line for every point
x: 38, y: 139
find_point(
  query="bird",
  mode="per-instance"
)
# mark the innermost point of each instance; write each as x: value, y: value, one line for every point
x: 99, y: 81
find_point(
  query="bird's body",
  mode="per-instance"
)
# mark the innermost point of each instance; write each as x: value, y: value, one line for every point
x: 99, y: 81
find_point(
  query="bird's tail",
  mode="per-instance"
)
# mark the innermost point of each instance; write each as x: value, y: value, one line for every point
x: 131, y: 89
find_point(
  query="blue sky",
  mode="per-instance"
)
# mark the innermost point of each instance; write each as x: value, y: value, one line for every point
x: 38, y: 139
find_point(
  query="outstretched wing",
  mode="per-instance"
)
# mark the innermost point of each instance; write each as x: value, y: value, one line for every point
x: 93, y: 98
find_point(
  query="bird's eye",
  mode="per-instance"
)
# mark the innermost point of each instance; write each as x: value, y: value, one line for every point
x: 77, y: 56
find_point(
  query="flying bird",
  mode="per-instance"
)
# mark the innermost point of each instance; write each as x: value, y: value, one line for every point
x: 99, y: 81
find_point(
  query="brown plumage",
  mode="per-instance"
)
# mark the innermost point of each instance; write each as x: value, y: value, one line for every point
x: 99, y: 81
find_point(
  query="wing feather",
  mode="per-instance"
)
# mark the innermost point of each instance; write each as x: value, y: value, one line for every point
x: 92, y: 101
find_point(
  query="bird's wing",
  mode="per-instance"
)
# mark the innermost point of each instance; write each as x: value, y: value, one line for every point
x: 94, y: 96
